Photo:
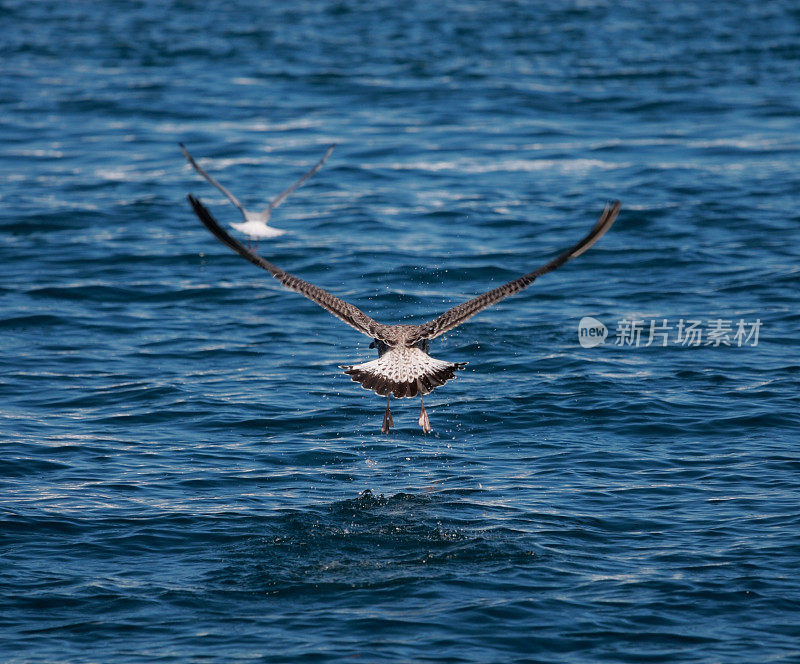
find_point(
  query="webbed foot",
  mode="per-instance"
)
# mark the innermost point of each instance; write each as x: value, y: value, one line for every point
x: 388, y: 422
x: 424, y: 422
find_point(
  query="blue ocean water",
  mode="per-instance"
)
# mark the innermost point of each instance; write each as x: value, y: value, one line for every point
x: 187, y: 475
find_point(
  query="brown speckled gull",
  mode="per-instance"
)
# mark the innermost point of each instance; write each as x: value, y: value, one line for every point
x: 404, y: 368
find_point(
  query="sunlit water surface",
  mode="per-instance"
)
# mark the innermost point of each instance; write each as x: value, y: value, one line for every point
x: 186, y: 473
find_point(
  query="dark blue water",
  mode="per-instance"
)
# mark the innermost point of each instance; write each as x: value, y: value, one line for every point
x: 187, y: 475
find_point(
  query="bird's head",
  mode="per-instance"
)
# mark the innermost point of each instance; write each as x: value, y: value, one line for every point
x: 424, y: 346
x: 380, y: 345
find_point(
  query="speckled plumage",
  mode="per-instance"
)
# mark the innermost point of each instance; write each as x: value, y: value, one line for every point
x: 404, y: 368
x: 403, y: 372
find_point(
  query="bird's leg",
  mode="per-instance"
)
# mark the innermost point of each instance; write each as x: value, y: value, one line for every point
x: 424, y: 422
x: 388, y: 422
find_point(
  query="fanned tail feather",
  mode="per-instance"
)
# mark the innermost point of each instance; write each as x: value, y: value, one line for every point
x: 403, y: 372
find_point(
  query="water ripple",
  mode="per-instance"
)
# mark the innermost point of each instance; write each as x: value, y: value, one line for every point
x: 188, y: 474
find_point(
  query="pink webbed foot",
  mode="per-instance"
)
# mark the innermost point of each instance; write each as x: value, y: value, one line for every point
x: 424, y: 422
x: 388, y: 422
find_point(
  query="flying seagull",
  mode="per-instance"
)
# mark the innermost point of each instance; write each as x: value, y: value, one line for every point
x: 255, y: 223
x: 404, y: 368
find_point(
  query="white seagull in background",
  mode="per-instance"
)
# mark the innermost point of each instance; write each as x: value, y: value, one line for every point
x: 255, y: 225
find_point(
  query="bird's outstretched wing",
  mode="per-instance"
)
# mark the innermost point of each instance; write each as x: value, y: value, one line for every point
x: 275, y: 202
x: 457, y: 315
x: 225, y: 191
x: 351, y: 315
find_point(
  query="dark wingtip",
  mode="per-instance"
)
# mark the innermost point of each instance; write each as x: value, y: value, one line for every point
x: 605, y: 222
x: 209, y: 222
x: 199, y: 209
